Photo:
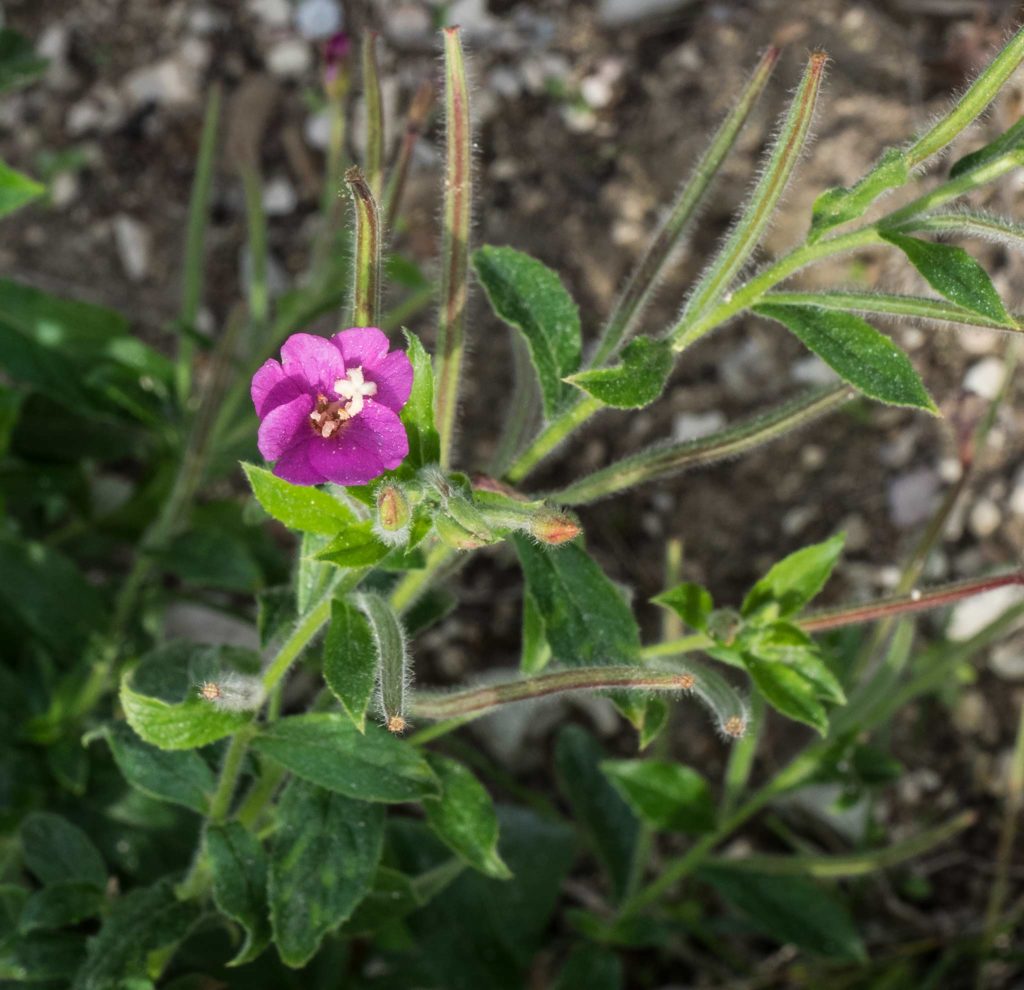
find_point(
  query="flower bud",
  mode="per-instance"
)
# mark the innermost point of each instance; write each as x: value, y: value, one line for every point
x: 554, y: 526
x: 455, y: 535
x: 393, y: 510
x: 336, y: 65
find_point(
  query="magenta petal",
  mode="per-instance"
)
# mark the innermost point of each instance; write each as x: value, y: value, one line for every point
x: 313, y: 360
x: 371, y: 443
x: 293, y: 465
x: 393, y: 378
x: 363, y: 346
x: 285, y: 426
x: 271, y: 387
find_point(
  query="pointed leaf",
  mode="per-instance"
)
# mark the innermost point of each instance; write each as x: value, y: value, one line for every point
x: 58, y: 852
x: 536, y: 653
x: 783, y: 642
x: 354, y: 546
x: 666, y: 795
x: 953, y: 273
x: 59, y: 906
x: 788, y: 691
x: 238, y: 868
x: 328, y: 750
x: 16, y: 190
x: 300, y: 507
x: 1011, y: 140
x: 795, y: 580
x: 463, y: 817
x: 324, y: 858
x: 691, y: 602
x: 19, y: 63
x: 839, y: 205
x: 418, y: 413
x: 633, y: 383
x: 350, y: 660
x: 182, y: 778
x: 856, y: 351
x: 530, y: 297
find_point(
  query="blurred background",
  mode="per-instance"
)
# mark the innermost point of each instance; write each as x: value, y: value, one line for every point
x: 588, y: 116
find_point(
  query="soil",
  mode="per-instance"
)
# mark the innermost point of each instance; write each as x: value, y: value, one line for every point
x: 585, y: 129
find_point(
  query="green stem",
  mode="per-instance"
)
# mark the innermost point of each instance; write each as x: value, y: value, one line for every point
x: 366, y: 288
x: 458, y: 196
x: 374, y: 118
x: 415, y: 122
x: 256, y: 221
x: 231, y: 768
x: 552, y: 435
x: 414, y: 583
x: 308, y: 626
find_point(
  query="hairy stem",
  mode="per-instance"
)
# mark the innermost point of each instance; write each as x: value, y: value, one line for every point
x: 374, y: 117
x: 415, y: 122
x: 367, y: 281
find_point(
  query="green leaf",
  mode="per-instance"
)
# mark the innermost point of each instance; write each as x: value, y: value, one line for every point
x: 666, y: 795
x: 19, y: 63
x: 350, y: 660
x: 1011, y: 140
x: 590, y: 967
x: 139, y: 924
x: 328, y: 750
x: 41, y: 957
x: 790, y: 910
x: 178, y: 777
x: 795, y: 580
x: 839, y: 205
x: 634, y: 383
x: 212, y: 557
x: 536, y: 653
x: 609, y: 825
x: 394, y: 896
x: 10, y: 407
x: 586, y: 619
x: 692, y: 603
x: 788, y: 691
x: 783, y: 642
x: 58, y: 852
x: 530, y: 297
x: 856, y: 351
x: 322, y: 864
x: 463, y: 817
x: 60, y: 905
x: 161, y: 699
x: 300, y: 507
x: 417, y: 414
x: 953, y: 273
x: 238, y: 868
x: 16, y: 190
x: 354, y: 546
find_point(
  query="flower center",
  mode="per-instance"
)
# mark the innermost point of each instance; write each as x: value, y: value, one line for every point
x: 354, y: 388
x: 328, y: 417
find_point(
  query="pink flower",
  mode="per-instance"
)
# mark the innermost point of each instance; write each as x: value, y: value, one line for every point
x: 329, y: 410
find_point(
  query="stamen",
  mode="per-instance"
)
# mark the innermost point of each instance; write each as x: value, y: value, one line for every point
x: 354, y: 388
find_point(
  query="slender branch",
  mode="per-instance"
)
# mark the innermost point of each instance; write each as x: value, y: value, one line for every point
x: 231, y: 768
x: 367, y: 281
x: 458, y: 196
x: 374, y: 117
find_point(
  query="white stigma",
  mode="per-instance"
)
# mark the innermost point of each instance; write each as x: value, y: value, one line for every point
x: 354, y: 388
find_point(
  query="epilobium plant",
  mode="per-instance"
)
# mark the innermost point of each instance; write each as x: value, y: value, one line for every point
x: 272, y: 808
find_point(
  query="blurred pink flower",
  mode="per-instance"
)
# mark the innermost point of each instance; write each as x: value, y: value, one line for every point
x: 329, y: 410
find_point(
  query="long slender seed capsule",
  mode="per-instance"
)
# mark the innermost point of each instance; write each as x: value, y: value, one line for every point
x: 663, y: 460
x: 393, y: 659
x: 458, y: 194
x: 415, y: 122
x: 645, y: 277
x: 972, y: 104
x: 366, y: 284
x: 374, y: 116
x: 750, y: 227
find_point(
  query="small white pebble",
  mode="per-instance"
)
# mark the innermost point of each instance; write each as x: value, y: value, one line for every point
x: 985, y: 377
x: 985, y: 518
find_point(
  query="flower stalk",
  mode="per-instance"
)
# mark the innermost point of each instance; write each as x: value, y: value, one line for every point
x: 367, y: 282
x: 374, y: 116
x: 415, y: 123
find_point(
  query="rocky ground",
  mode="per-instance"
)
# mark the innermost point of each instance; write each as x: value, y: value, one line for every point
x: 588, y: 115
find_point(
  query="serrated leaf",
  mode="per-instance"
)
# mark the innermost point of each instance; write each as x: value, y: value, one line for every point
x: 789, y: 909
x: 795, y: 580
x: 633, y: 383
x: 300, y: 507
x: 586, y: 619
x: 530, y: 297
x: 238, y: 869
x: 324, y: 858
x: 16, y: 190
x: 417, y: 414
x: 59, y: 906
x: 19, y: 63
x: 610, y: 827
x: 1011, y: 140
x: 856, y: 352
x: 840, y: 205
x: 953, y: 273
x: 788, y: 691
x: 692, y: 603
x: 57, y: 852
x: 354, y: 546
x: 328, y: 750
x: 139, y: 923
x: 463, y: 817
x: 350, y: 660
x: 666, y: 795
x: 180, y: 777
